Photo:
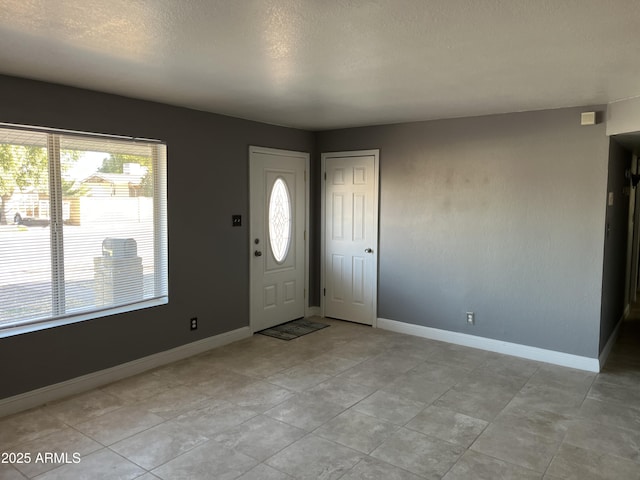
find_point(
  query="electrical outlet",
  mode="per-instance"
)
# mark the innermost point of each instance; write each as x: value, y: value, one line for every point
x: 471, y: 318
x: 194, y: 323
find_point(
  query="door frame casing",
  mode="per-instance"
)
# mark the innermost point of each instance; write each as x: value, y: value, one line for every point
x: 323, y: 220
x: 632, y: 277
x: 285, y: 153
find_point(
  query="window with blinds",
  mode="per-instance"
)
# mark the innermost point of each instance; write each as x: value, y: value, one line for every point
x: 83, y: 228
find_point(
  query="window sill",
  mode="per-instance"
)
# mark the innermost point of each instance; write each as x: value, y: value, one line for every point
x: 58, y: 322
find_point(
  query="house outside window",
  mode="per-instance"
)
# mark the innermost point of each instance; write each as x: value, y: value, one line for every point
x: 83, y: 227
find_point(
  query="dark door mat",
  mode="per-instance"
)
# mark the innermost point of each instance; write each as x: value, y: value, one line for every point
x: 294, y: 329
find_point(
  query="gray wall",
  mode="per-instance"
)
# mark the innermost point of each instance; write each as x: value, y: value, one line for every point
x: 502, y: 215
x: 208, y: 262
x: 615, y: 242
x: 623, y: 116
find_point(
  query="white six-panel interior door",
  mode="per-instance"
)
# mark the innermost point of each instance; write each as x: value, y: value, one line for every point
x: 350, y: 235
x: 278, y: 221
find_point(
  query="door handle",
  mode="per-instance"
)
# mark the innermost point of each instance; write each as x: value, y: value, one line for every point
x: 257, y: 253
x: 368, y: 250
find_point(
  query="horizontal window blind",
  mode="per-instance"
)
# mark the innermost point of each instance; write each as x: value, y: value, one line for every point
x: 82, y: 225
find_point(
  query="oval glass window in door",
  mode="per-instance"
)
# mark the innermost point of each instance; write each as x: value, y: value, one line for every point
x: 280, y: 220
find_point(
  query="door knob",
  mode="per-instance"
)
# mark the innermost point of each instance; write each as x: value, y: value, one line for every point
x: 368, y: 250
x: 257, y: 253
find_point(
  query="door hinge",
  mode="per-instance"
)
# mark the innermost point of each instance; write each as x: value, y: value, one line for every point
x: 325, y: 175
x: 305, y: 293
x: 305, y: 235
x: 305, y: 175
x: 324, y: 292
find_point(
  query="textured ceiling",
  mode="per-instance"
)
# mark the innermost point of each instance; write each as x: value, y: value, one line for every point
x: 319, y: 64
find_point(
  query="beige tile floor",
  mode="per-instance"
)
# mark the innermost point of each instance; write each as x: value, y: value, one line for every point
x: 347, y: 402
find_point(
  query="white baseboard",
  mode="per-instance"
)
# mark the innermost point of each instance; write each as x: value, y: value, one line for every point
x: 314, y: 312
x: 34, y: 398
x: 610, y: 343
x: 499, y: 346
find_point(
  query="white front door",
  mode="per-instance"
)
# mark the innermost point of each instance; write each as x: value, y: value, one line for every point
x: 350, y: 234
x: 277, y: 189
